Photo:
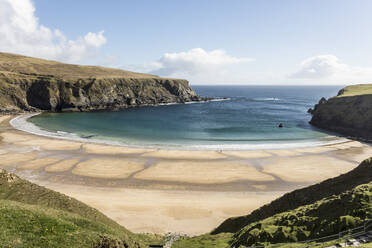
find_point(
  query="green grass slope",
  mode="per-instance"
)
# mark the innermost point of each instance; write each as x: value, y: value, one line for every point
x: 34, y: 216
x: 334, y: 186
x: 322, y: 218
x: 25, y: 225
x: 356, y: 90
x: 204, y: 241
x: 18, y: 64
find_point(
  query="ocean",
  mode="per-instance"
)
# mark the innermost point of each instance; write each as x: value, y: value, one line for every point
x: 247, y: 119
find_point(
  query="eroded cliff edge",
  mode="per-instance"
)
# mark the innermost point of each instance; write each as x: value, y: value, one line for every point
x: 349, y: 113
x: 29, y: 84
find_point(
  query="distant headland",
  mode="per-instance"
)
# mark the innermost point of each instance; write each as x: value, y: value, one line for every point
x: 32, y: 84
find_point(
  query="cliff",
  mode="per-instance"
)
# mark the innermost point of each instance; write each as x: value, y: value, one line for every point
x: 29, y: 84
x: 349, y: 113
x: 334, y: 186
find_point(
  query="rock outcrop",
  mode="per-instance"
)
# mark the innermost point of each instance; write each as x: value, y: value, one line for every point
x: 349, y: 113
x: 28, y: 84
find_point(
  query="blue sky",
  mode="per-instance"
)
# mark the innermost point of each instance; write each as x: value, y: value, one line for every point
x: 208, y: 42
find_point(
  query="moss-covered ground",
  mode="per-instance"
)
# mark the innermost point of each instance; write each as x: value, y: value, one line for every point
x: 355, y: 90
x: 34, y: 216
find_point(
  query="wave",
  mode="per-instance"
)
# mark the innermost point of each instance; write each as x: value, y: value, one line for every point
x: 267, y: 99
x: 21, y: 123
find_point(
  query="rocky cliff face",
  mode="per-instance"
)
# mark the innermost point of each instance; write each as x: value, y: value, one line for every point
x: 33, y: 84
x: 350, y: 113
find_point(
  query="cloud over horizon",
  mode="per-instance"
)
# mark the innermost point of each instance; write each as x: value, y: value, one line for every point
x: 192, y: 63
x: 22, y: 33
x: 329, y: 66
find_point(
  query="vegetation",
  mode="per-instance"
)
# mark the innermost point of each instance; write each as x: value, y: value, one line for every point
x: 322, y: 218
x: 325, y: 217
x: 28, y: 66
x: 34, y: 216
x: 204, y: 241
x: 354, y: 90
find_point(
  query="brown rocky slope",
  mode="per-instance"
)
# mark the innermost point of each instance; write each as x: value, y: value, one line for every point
x: 28, y: 84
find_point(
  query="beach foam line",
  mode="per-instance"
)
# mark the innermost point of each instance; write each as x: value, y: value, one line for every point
x: 20, y: 123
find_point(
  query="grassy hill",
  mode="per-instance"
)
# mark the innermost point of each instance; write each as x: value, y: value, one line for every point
x: 356, y: 90
x: 34, y: 216
x: 325, y: 217
x: 18, y: 64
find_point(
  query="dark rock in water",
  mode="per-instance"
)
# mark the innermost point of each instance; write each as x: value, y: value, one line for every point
x: 310, y: 110
x: 34, y: 84
x: 280, y: 125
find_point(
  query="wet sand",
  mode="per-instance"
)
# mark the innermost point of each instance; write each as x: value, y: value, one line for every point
x: 159, y: 190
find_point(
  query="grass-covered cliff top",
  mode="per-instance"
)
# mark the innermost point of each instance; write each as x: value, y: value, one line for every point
x: 34, y: 216
x: 18, y: 64
x: 354, y: 90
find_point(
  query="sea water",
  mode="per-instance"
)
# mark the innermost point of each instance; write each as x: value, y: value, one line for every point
x: 247, y: 119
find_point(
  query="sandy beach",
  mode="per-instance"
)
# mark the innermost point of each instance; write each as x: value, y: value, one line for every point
x: 159, y: 190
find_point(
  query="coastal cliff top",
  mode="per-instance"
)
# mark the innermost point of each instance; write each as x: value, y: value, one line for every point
x: 18, y: 64
x: 354, y: 90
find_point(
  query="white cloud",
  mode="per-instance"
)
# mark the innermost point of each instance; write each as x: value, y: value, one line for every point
x: 21, y: 32
x: 319, y: 67
x: 331, y: 68
x: 193, y: 63
x: 95, y: 39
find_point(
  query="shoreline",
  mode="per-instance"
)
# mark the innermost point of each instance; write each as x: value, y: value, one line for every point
x: 162, y: 190
x: 20, y: 123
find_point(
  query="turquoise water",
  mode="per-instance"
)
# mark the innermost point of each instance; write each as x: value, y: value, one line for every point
x: 249, y: 118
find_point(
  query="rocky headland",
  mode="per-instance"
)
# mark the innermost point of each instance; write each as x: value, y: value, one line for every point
x: 348, y: 113
x: 31, y: 84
